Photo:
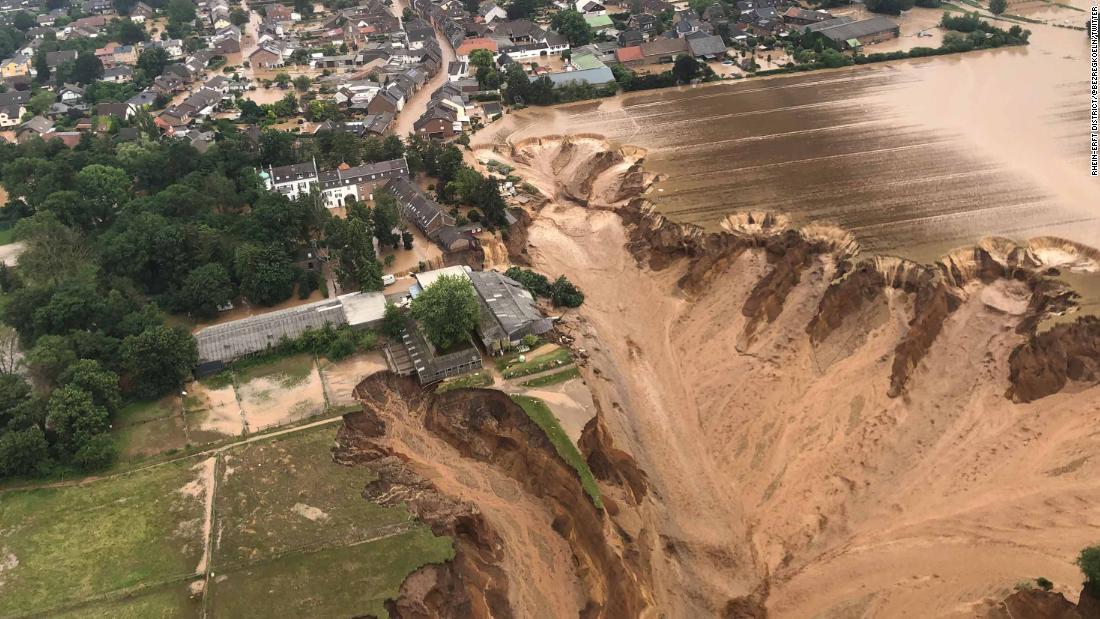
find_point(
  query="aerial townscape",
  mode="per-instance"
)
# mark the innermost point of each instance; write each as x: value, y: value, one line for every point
x: 549, y: 308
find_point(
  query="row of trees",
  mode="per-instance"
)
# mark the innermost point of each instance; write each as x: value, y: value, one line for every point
x: 561, y: 292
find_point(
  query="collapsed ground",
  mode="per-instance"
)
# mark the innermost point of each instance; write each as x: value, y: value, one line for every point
x: 822, y: 435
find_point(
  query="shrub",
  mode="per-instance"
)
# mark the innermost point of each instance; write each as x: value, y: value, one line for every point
x: 564, y: 293
x: 1044, y: 583
x: 1089, y: 562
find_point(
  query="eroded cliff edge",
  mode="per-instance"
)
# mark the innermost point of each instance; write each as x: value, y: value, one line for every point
x: 471, y: 464
x: 803, y: 410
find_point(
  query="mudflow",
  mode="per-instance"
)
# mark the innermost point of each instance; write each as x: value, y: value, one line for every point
x: 786, y: 426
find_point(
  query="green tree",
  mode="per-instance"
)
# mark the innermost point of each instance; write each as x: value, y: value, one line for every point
x: 93, y: 378
x: 159, y: 359
x: 571, y: 25
x: 41, y: 67
x: 265, y: 273
x: 392, y: 323
x: 40, y: 102
x: 87, y: 68
x: 23, y: 21
x: 889, y: 7
x: 1089, y: 562
x: 447, y: 311
x: 180, y: 11
x: 23, y: 452
x: 129, y: 33
x: 302, y: 83
x: 51, y: 355
x: 386, y: 219
x: 238, y: 17
x: 205, y: 289
x: 686, y: 68
x: 564, y: 294
x: 104, y: 188
x: 75, y: 418
x: 997, y: 6
x: 519, y: 9
x: 151, y: 63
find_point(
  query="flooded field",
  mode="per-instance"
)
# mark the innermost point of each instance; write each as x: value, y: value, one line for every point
x: 914, y: 157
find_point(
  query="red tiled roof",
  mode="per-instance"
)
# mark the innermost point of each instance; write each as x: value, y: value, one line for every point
x: 470, y: 45
x: 626, y: 54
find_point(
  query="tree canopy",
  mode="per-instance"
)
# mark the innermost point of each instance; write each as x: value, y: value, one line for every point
x: 447, y: 311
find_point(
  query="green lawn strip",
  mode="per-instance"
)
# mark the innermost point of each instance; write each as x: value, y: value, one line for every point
x: 338, y: 582
x: 466, y: 381
x: 172, y: 600
x: 549, y: 361
x: 147, y: 410
x: 289, y: 370
x: 75, y: 543
x: 7, y: 235
x: 541, y: 414
x: 287, y: 494
x: 555, y: 378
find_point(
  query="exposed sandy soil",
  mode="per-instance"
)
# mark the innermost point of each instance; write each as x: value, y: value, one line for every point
x: 214, y: 410
x: 277, y: 398
x: 782, y: 470
x: 341, y: 377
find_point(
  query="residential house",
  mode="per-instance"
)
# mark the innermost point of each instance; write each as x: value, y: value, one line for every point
x: 462, y: 52
x: 71, y: 93
x: 489, y: 11
x: 118, y: 74
x: 590, y: 7
x: 34, y: 128
x: 142, y: 12
x: 706, y: 46
x: 663, y: 50
x: 12, y: 107
x: 16, y: 66
x: 291, y: 180
x: 120, y: 111
x: 417, y: 208
x: 798, y: 16
x: 359, y: 182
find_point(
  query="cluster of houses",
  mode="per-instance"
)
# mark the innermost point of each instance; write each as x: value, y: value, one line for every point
x: 337, y: 188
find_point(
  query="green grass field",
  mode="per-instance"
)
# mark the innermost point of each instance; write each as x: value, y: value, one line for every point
x: 291, y: 486
x: 7, y: 235
x: 70, y: 544
x: 339, y: 582
x: 466, y: 381
x: 293, y: 536
x: 555, y: 378
x: 542, y: 363
x: 541, y: 414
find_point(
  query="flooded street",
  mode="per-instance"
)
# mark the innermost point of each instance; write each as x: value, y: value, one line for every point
x: 914, y: 157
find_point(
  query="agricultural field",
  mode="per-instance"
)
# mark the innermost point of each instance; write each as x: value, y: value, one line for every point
x: 64, y: 546
x: 269, y: 524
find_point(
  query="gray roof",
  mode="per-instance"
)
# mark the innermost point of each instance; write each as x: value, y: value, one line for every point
x: 431, y: 366
x: 238, y: 338
x: 295, y: 172
x: 829, y: 23
x: 706, y: 46
x: 508, y: 310
x: 854, y: 30
x: 415, y: 205
x: 364, y: 173
x: 596, y: 76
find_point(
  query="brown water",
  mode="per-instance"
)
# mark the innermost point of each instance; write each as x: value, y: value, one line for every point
x: 914, y: 158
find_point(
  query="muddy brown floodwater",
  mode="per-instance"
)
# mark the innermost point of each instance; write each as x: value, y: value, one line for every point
x: 914, y: 158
